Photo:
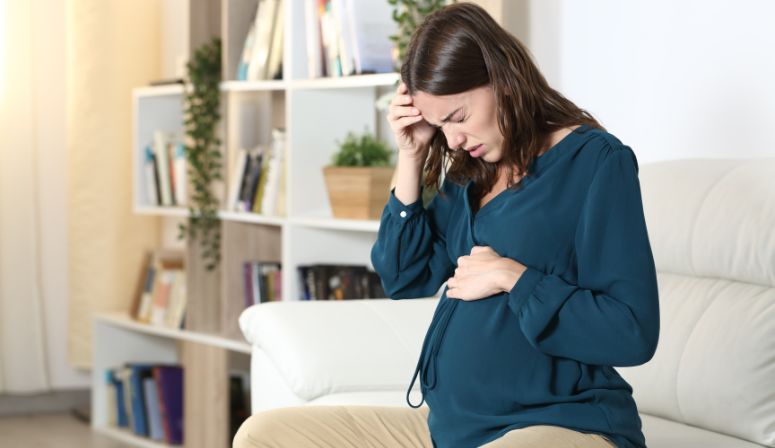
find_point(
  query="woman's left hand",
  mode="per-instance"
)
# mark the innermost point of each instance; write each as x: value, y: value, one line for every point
x: 482, y: 274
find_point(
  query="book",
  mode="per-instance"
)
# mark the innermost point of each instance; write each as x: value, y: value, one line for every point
x: 161, y: 294
x: 339, y: 282
x: 160, y: 150
x: 137, y: 373
x: 273, y: 177
x: 315, y: 61
x: 154, y: 298
x: 117, y: 386
x: 342, y: 36
x: 247, y: 278
x: 330, y: 42
x: 275, y: 61
x: 248, y: 195
x: 151, y: 177
x: 266, y: 17
x: 152, y: 411
x: 247, y: 51
x: 180, y: 165
x: 123, y: 374
x: 169, y: 382
x: 176, y: 309
x: 237, y: 179
x: 261, y: 184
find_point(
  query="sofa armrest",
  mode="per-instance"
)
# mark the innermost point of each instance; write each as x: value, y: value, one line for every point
x: 324, y: 347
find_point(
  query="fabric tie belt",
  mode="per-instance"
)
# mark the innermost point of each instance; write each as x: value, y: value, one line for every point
x: 426, y: 365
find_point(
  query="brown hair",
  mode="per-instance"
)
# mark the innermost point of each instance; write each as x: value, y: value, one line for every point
x: 460, y: 47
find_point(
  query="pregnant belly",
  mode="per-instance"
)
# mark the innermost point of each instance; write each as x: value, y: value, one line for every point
x: 485, y: 362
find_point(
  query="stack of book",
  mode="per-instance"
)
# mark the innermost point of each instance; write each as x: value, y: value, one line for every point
x: 160, y: 298
x: 164, y: 170
x: 348, y: 37
x: 148, y: 400
x: 339, y: 282
x: 258, y: 178
x: 263, y: 282
x: 262, y: 52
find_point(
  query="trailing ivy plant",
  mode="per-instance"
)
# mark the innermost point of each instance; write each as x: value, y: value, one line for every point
x: 408, y: 14
x: 202, y: 114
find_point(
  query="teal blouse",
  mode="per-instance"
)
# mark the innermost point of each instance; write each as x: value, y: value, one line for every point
x: 543, y: 352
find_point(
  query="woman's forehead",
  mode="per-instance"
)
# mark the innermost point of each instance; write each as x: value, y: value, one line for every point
x: 438, y: 106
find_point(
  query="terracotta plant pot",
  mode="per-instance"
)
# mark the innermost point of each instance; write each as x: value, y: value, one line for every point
x: 358, y: 192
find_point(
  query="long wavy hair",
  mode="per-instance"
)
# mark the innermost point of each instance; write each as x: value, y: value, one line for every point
x: 460, y: 47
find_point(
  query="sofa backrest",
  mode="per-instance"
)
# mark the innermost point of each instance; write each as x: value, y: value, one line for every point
x: 711, y: 224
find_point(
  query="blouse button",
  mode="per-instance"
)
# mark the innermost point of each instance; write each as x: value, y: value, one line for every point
x: 403, y: 213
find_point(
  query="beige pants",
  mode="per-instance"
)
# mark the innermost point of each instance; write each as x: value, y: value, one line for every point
x: 375, y: 426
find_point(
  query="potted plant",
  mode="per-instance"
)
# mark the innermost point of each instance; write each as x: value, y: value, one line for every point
x: 359, y: 178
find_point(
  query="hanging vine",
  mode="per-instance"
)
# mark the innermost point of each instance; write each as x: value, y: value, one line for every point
x: 408, y: 14
x: 202, y: 114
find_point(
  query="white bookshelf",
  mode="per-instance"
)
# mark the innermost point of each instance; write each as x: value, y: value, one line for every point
x: 315, y: 114
x: 119, y: 339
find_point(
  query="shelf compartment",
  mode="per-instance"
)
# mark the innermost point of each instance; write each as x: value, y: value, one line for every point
x: 121, y: 320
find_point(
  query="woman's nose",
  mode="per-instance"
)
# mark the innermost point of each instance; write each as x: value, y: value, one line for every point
x: 455, y: 140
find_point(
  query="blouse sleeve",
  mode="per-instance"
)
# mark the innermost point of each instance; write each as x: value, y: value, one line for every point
x: 612, y: 316
x: 410, y: 253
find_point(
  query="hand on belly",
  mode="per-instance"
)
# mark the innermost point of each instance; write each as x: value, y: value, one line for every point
x: 483, y: 274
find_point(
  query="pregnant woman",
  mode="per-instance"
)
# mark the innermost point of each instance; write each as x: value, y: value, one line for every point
x: 537, y: 230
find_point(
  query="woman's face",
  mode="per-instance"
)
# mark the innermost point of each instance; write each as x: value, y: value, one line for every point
x: 468, y: 119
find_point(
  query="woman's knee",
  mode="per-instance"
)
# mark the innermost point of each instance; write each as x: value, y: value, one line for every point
x: 261, y: 430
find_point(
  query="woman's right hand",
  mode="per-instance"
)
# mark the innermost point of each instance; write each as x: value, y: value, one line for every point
x: 413, y: 134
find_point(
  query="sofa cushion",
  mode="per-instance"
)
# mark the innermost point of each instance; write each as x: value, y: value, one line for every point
x: 662, y: 433
x: 712, y: 218
x: 365, y: 345
x: 711, y: 225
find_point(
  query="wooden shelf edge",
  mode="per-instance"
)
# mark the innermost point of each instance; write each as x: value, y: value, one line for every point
x: 153, y: 91
x: 124, y: 321
x: 251, y: 218
x: 161, y: 211
x: 322, y: 222
x: 372, y: 80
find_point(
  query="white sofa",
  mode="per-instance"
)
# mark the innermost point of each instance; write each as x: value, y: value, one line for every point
x: 711, y: 382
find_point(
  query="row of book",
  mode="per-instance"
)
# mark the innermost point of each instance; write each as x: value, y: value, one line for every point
x: 348, y: 37
x: 164, y: 170
x: 339, y: 282
x: 160, y: 298
x: 263, y: 282
x: 258, y: 178
x: 262, y: 52
x: 148, y: 400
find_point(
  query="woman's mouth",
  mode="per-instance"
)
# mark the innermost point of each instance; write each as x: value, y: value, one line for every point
x: 476, y: 151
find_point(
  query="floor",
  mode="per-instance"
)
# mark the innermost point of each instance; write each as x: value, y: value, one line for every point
x: 51, y: 430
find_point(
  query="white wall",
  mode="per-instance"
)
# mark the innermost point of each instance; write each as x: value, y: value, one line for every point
x: 671, y: 79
